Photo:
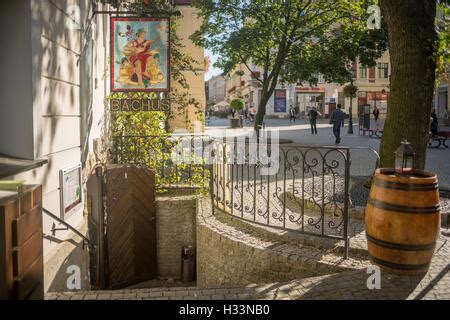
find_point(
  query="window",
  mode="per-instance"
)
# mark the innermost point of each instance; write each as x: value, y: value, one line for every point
x: 383, y: 70
x: 362, y: 72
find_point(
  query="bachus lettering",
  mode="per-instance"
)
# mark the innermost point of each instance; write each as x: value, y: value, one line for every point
x: 138, y: 105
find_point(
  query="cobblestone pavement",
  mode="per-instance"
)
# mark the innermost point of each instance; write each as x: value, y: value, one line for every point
x: 363, y: 161
x: 351, y: 285
x: 263, y: 203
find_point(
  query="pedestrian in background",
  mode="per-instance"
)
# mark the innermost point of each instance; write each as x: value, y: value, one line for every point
x: 337, y: 119
x: 312, y: 114
x: 376, y: 115
x: 434, y: 123
x: 291, y: 114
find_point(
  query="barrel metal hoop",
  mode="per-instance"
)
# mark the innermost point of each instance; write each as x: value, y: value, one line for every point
x: 404, y: 186
x: 404, y: 209
x: 398, y: 266
x: 402, y: 247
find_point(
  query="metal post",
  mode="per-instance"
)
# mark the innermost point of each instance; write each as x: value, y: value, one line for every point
x: 210, y: 167
x: 350, y: 120
x: 346, y: 202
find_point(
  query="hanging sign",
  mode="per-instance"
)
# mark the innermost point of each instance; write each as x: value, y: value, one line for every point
x: 140, y: 49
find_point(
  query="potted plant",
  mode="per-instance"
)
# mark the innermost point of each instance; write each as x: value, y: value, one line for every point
x: 237, y: 105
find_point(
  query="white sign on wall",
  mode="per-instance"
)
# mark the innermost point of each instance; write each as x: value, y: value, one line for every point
x: 71, y: 190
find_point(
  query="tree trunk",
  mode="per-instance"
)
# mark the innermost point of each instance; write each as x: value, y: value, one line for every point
x: 412, y: 39
x: 265, y: 96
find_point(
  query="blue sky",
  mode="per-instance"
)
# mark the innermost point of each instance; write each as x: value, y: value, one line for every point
x: 212, y: 71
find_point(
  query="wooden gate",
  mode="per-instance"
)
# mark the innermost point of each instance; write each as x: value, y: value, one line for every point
x: 130, y: 225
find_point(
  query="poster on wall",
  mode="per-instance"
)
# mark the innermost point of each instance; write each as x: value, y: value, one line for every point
x: 280, y: 104
x: 71, y: 190
x: 140, y: 49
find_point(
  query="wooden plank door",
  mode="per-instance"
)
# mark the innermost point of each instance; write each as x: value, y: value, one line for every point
x: 131, y: 225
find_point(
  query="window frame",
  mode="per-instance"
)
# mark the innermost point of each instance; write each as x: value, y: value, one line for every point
x: 363, y: 70
x: 383, y: 70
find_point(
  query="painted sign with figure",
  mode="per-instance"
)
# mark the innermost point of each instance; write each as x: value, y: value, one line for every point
x: 280, y: 103
x: 140, y: 54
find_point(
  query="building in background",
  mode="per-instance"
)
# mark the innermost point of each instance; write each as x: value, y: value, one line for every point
x: 373, y: 85
x: 442, y: 99
x: 373, y: 89
x: 323, y: 96
x: 245, y: 84
x: 217, y: 90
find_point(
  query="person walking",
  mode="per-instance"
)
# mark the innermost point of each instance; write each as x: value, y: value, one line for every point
x: 337, y: 119
x: 291, y: 114
x: 376, y: 115
x: 312, y: 114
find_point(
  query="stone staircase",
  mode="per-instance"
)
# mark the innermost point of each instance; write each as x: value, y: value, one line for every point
x: 349, y: 285
x: 281, y: 265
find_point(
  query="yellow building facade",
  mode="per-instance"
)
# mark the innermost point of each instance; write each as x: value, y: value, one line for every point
x: 191, y: 118
x: 373, y: 85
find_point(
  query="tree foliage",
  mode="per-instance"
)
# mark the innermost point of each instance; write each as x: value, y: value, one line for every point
x: 140, y: 138
x: 442, y: 53
x: 290, y: 40
x: 237, y: 104
x: 350, y: 91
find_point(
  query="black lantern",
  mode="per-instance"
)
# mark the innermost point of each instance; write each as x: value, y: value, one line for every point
x: 404, y: 159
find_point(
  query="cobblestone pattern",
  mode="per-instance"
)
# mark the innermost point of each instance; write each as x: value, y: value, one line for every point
x: 175, y: 228
x: 228, y: 255
x: 351, y: 285
x: 266, y: 206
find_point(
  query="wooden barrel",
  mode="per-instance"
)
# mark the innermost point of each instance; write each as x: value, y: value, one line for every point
x: 403, y: 221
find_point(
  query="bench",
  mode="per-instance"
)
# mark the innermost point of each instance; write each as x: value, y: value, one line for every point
x: 372, y: 133
x: 440, y: 139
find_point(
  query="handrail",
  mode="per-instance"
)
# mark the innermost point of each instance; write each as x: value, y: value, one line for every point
x: 86, y: 240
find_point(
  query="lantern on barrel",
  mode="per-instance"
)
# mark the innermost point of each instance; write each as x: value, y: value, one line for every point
x: 404, y: 159
x: 402, y: 216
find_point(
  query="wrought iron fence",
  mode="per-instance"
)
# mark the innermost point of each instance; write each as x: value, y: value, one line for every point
x: 178, y: 160
x: 292, y: 187
x: 308, y: 192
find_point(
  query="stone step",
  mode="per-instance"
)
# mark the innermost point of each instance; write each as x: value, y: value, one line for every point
x: 350, y: 285
x: 347, y: 285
